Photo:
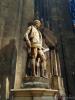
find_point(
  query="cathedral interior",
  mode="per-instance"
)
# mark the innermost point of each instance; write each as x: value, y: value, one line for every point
x: 58, y: 34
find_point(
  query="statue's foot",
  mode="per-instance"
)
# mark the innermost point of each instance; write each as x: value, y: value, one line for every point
x: 45, y: 74
x: 35, y: 75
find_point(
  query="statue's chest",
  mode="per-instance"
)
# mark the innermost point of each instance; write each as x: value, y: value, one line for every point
x: 35, y: 33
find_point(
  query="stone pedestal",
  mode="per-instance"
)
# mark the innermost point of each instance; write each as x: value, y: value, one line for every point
x: 35, y: 82
x: 34, y: 88
x: 33, y: 94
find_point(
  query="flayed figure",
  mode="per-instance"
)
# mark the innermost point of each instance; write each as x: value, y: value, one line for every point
x: 33, y: 38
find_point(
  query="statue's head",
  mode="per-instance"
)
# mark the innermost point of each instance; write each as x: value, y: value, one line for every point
x: 37, y: 23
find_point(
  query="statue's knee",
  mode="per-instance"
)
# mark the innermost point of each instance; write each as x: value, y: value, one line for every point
x: 33, y: 57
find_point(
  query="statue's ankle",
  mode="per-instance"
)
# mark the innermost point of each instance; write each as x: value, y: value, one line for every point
x: 45, y: 74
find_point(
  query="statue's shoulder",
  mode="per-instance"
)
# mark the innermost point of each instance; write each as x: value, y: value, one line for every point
x: 29, y: 27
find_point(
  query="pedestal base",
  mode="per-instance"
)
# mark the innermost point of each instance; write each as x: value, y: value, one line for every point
x: 33, y: 94
x: 35, y: 82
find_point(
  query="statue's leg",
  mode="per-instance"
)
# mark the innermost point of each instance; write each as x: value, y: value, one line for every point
x: 38, y: 66
x: 33, y: 60
x: 43, y: 62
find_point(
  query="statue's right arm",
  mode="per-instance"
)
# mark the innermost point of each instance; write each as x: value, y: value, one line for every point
x: 26, y: 36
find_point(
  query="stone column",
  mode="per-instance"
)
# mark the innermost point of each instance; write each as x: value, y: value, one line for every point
x: 60, y: 79
x: 0, y: 87
x: 26, y: 13
x: 54, y: 69
x: 7, y: 88
x: 1, y: 30
x: 57, y: 80
x: 2, y: 21
x: 3, y: 88
x: 54, y: 63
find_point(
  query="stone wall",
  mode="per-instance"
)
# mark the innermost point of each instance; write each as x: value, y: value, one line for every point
x: 14, y: 16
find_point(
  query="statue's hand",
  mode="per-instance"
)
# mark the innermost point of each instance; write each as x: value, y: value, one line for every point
x: 46, y: 49
x: 29, y: 44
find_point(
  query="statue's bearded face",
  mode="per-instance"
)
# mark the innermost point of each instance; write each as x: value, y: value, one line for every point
x: 38, y: 25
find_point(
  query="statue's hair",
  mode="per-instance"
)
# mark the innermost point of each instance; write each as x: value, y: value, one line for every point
x: 36, y: 22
